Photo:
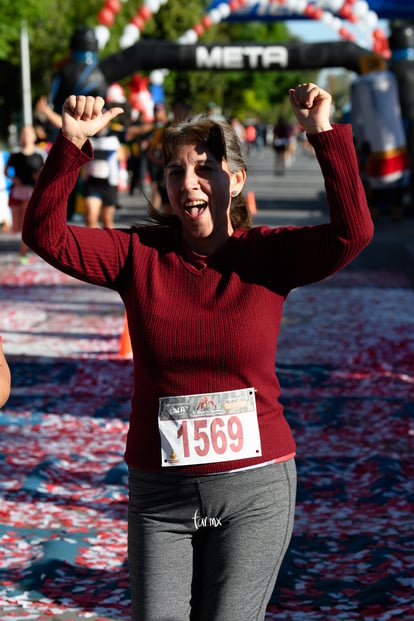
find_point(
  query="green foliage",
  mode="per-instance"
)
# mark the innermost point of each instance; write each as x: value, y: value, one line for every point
x: 12, y: 15
x: 174, y: 18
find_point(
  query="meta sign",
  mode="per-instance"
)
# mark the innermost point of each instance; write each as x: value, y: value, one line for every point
x: 236, y: 57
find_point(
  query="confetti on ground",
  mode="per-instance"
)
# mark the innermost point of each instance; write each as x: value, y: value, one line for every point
x: 346, y: 366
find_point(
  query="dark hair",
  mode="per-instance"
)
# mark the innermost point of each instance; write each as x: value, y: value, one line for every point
x: 224, y: 144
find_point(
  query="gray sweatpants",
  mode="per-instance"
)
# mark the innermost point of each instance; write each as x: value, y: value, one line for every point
x: 208, y: 548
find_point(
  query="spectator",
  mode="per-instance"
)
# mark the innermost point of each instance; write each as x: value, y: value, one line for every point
x: 23, y: 167
x: 100, y: 180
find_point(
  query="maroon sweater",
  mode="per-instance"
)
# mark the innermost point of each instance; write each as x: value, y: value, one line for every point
x: 201, y: 330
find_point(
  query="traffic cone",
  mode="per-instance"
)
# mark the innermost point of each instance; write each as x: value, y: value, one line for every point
x: 125, y: 349
x: 251, y: 202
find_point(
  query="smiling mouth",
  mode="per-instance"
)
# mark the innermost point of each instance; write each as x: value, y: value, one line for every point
x: 195, y: 208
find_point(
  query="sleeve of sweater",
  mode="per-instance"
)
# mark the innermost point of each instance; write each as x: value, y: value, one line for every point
x: 311, y: 253
x: 93, y: 255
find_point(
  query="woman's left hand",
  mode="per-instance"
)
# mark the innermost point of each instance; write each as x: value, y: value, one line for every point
x: 83, y: 117
x: 312, y: 107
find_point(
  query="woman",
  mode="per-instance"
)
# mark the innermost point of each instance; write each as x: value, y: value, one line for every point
x: 23, y: 167
x: 283, y: 137
x: 211, y: 458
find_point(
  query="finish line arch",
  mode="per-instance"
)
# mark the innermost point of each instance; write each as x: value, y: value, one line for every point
x: 237, y: 56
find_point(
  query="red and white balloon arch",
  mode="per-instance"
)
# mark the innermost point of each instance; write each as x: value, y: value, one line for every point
x: 332, y: 13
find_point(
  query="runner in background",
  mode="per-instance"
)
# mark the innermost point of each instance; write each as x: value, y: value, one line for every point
x: 251, y: 135
x: 23, y: 167
x: 101, y: 179
x: 137, y: 138
x: 282, y: 145
x: 155, y: 168
x: 180, y: 111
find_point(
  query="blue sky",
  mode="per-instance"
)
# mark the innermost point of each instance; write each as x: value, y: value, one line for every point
x: 313, y: 31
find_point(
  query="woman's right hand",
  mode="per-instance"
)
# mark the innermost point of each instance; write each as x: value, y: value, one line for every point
x: 312, y: 107
x: 83, y: 117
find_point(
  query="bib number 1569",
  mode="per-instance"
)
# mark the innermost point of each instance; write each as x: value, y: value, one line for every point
x: 216, y: 434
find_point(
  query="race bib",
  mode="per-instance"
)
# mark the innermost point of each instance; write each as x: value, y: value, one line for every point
x: 208, y: 428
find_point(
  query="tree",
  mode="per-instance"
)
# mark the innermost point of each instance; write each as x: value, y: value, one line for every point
x: 50, y: 25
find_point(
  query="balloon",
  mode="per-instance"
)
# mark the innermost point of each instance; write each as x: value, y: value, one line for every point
x: 361, y: 8
x: 290, y: 5
x: 113, y: 5
x: 345, y: 34
x: 153, y: 5
x: 313, y: 12
x: 327, y: 18
x: 198, y: 29
x: 106, y: 17
x: 207, y: 21
x: 234, y: 5
x: 142, y: 100
x: 135, y: 100
x: 381, y: 47
x: 132, y: 31
x: 127, y: 41
x: 336, y: 24
x: 333, y: 5
x: 144, y: 12
x: 157, y: 77
x: 371, y: 19
x: 188, y: 38
x: 346, y: 11
x: 379, y: 34
x: 224, y: 10
x: 115, y: 94
x: 215, y: 16
x: 138, y: 22
x: 139, y: 82
x: 102, y: 35
x: 301, y: 5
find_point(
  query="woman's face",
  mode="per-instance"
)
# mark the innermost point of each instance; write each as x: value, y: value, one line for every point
x: 200, y: 189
